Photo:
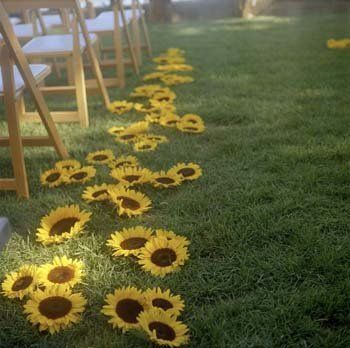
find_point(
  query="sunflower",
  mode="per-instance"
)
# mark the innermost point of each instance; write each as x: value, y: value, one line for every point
x: 160, y: 233
x: 129, y: 241
x: 53, y: 177
x: 164, y: 300
x: 174, y: 67
x: 138, y: 127
x: 166, y: 180
x: 187, y: 127
x: 81, y: 175
x: 153, y: 76
x: 20, y: 283
x: 173, y: 79
x: 166, y: 97
x: 143, y: 108
x: 189, y: 171
x: 54, y: 308
x: 61, y: 224
x: 97, y: 193
x: 127, y: 138
x: 132, y: 175
x: 192, y: 118
x: 124, y: 306
x: 163, y: 328
x: 124, y: 161
x: 162, y: 106
x: 62, y: 271
x: 170, y: 120
x: 165, y: 59
x: 145, y: 91
x: 100, y: 157
x: 175, y: 52
x: 130, y: 202
x: 116, y: 130
x: 68, y: 164
x: 161, y: 256
x: 153, y: 117
x: 145, y: 145
x: 159, y: 139
x: 120, y: 107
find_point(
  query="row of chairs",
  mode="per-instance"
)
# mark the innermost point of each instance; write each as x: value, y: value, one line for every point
x: 75, y: 46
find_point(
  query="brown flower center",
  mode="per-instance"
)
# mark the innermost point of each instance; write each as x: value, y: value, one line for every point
x: 99, y: 157
x: 53, y: 177
x: 163, y: 331
x: 131, y: 178
x: 133, y: 243
x: 127, y: 136
x: 186, y: 172
x: 128, y: 310
x: 162, y: 303
x: 62, y: 226
x: 61, y: 274
x: 165, y: 180
x: 191, y: 128
x: 145, y: 147
x: 55, y: 307
x: 22, y: 283
x: 129, y: 203
x: 163, y: 257
x: 171, y: 122
x: 79, y: 175
x: 99, y: 193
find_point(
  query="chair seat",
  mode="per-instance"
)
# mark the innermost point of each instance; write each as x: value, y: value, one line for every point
x: 40, y: 71
x: 54, y: 45
x: 53, y: 20
x: 24, y: 31
x: 15, y: 20
x: 104, y: 25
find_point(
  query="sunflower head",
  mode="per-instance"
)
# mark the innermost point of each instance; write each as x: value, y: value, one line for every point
x: 153, y: 117
x: 161, y: 256
x: 61, y: 224
x: 167, y: 97
x: 68, y: 164
x: 173, y: 79
x: 123, y: 307
x: 170, y: 235
x: 163, y: 328
x: 153, y: 76
x: 166, y: 180
x: 100, y: 157
x: 143, y: 108
x: 130, y: 202
x: 116, y: 130
x: 97, y: 193
x: 62, y: 271
x: 189, y: 127
x: 120, y: 107
x: 169, y: 120
x: 163, y: 107
x: 174, y: 67
x: 53, y: 177
x: 144, y: 145
x: 124, y: 161
x: 81, y: 175
x: 189, y: 171
x: 21, y: 283
x: 129, y: 241
x: 159, y: 139
x: 164, y: 300
x: 192, y: 119
x: 127, y: 137
x: 131, y: 175
x: 145, y: 91
x: 138, y: 127
x: 54, y: 308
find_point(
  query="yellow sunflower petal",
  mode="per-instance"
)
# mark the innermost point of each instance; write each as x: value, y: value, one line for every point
x: 166, y: 180
x: 81, y: 175
x: 189, y: 171
x: 100, y: 157
x: 53, y: 177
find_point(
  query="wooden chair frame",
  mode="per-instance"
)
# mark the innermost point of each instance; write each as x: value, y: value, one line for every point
x: 80, y: 85
x: 11, y: 53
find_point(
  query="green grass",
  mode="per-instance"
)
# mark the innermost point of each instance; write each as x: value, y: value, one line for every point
x: 269, y: 220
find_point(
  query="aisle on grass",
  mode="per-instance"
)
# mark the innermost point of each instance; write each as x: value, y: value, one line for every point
x: 51, y: 302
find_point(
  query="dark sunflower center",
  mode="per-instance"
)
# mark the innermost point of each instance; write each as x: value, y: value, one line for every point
x: 186, y: 172
x: 60, y: 274
x: 22, y: 283
x: 162, y: 303
x: 131, y: 178
x: 192, y: 121
x: 191, y: 128
x: 62, y: 226
x: 164, y: 99
x: 129, y: 203
x: 99, y: 193
x: 165, y: 180
x: 133, y: 243
x: 117, y: 131
x: 53, y: 177
x: 120, y: 107
x: 163, y: 331
x: 79, y: 175
x: 145, y: 147
x: 55, y: 307
x: 128, y: 310
x: 99, y: 157
x: 172, y: 122
x: 163, y: 257
x: 128, y: 136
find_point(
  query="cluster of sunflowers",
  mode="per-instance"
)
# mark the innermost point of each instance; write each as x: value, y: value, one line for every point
x: 159, y: 107
x: 53, y: 305
x: 341, y: 43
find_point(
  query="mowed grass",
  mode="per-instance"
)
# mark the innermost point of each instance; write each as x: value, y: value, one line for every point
x: 269, y: 221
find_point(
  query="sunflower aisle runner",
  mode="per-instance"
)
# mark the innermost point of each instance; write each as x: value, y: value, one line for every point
x: 52, y: 303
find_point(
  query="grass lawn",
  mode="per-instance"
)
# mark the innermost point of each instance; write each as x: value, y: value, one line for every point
x: 269, y: 220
